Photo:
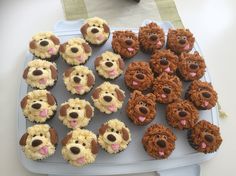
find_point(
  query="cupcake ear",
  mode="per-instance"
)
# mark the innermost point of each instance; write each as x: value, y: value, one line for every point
x: 106, y: 28
x: 32, y: 44
x: 125, y: 134
x: 66, y: 139
x: 103, y: 129
x: 90, y: 80
x: 88, y: 111
x: 53, y: 72
x: 55, y: 40
x: 96, y: 93
x: 68, y: 71
x: 121, y: 64
x: 63, y: 47
x: 63, y: 109
x: 97, y: 61
x: 26, y: 71
x: 23, y: 102
x: 86, y: 47
x: 23, y: 139
x: 50, y: 99
x: 84, y: 28
x: 120, y: 94
x: 94, y: 147
x: 53, y: 135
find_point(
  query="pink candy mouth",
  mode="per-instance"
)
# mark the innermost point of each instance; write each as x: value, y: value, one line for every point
x: 187, y: 47
x: 112, y: 73
x: 193, y: 74
x: 80, y: 59
x: 73, y: 123
x: 112, y: 108
x: 115, y: 147
x: 81, y: 160
x: 43, y: 150
x: 43, y: 113
x: 135, y: 83
x: 167, y: 69
x: 100, y: 37
x: 203, y: 145
x: 79, y: 88
x: 163, y: 96
x: 183, y: 122
x: 206, y: 103
x: 159, y: 44
x: 141, y: 118
x: 43, y: 81
x: 130, y: 49
x: 51, y: 51
x: 161, y: 153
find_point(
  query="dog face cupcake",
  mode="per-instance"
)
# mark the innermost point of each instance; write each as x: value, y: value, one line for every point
x: 109, y: 65
x: 205, y: 137
x: 76, y: 113
x: 141, y: 109
x: 114, y: 136
x: 159, y: 141
x: 191, y: 66
x: 108, y: 97
x: 39, y: 106
x: 138, y: 76
x: 202, y: 95
x: 151, y: 37
x: 125, y: 43
x: 39, y: 142
x: 95, y: 31
x: 180, y: 40
x: 167, y: 88
x: 164, y: 61
x: 79, y: 79
x: 40, y: 74
x: 75, y: 51
x: 79, y: 147
x: 181, y: 114
x: 45, y: 45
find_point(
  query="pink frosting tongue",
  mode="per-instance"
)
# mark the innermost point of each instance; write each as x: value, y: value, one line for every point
x: 186, y: 47
x: 43, y: 113
x: 43, y: 150
x: 81, y: 160
x: 80, y: 59
x: 163, y: 95
x: 130, y: 49
x: 43, y: 81
x: 193, y: 74
x: 100, y: 37
x: 73, y: 123
x: 141, y: 118
x: 51, y: 51
x: 203, y: 145
x: 161, y: 153
x: 112, y: 73
x: 183, y: 122
x: 206, y: 103
x: 112, y: 108
x: 135, y: 83
x: 167, y: 69
x: 79, y: 88
x: 159, y: 43
x: 115, y: 147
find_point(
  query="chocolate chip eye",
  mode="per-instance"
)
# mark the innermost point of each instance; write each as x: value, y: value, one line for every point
x: 44, y: 68
x: 112, y: 130
x: 165, y: 137
x: 73, y: 108
x: 34, y: 101
x: 34, y: 135
x: 158, y: 136
x: 76, y: 141
x: 107, y: 59
x: 178, y: 37
x: 84, y: 144
x: 196, y: 63
x: 99, y: 26
x: 41, y: 134
x: 94, y: 25
x: 78, y: 108
x: 184, y: 37
x: 117, y: 132
x: 112, y: 60
x: 106, y: 92
x: 40, y: 100
x: 82, y: 75
x: 77, y: 74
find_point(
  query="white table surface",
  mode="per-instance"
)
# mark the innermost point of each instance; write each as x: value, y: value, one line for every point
x: 213, y: 23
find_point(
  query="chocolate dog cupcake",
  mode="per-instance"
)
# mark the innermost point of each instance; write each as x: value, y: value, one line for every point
x: 167, y: 88
x: 125, y: 43
x: 181, y: 114
x: 191, y: 66
x: 202, y: 95
x: 151, y: 37
x: 164, y: 61
x: 205, y: 137
x: 159, y: 141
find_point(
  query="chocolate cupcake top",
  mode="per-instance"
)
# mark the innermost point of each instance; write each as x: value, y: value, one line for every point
x: 44, y: 45
x: 167, y: 88
x: 125, y: 43
x: 38, y: 106
x: 75, y: 51
x: 39, y: 142
x: 205, y: 137
x: 114, y: 136
x: 182, y: 114
x: 151, y: 37
x: 202, y: 95
x: 109, y: 65
x: 40, y: 74
x: 191, y: 66
x: 139, y: 76
x: 159, y: 141
x: 141, y: 109
x: 79, y: 79
x: 95, y: 30
x: 180, y: 40
x: 164, y: 61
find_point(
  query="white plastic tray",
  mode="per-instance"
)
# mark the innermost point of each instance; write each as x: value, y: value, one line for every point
x: 134, y: 159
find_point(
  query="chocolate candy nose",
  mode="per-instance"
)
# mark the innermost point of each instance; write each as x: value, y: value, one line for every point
x: 182, y: 113
x: 36, y: 106
x: 109, y: 64
x: 111, y: 137
x: 94, y: 30
x: 44, y: 43
x: 140, y: 76
x: 153, y: 37
x: 129, y: 42
x: 164, y: 62
x: 206, y: 94
x: 74, y: 50
x: 77, y: 79
x: 75, y: 150
x: 107, y: 98
x: 193, y: 66
x: 36, y: 142
x: 161, y: 143
x: 166, y: 90
x: 209, y: 138
x: 143, y: 110
x: 37, y: 72
x: 182, y: 41
x: 73, y: 115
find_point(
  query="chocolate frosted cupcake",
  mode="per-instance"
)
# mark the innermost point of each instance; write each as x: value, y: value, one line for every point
x: 79, y: 79
x: 40, y: 74
x: 151, y: 37
x: 39, y: 106
x: 181, y: 114
x: 164, y: 61
x: 191, y: 66
x: 95, y: 31
x: 141, y: 109
x: 109, y: 65
x: 159, y: 141
x: 45, y: 45
x: 114, y: 136
x: 202, y: 95
x: 205, y: 137
x: 180, y: 40
x: 39, y: 142
x: 75, y: 51
x: 167, y: 88
x: 125, y: 43
x: 139, y: 76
